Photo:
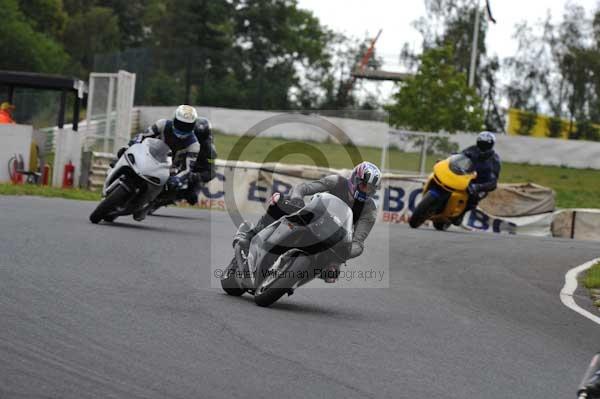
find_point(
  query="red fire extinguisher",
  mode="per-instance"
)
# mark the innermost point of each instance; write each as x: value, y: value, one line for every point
x: 15, y: 166
x: 68, y: 175
x: 46, y: 175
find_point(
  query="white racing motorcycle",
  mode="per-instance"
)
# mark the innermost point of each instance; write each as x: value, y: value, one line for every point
x: 136, y: 179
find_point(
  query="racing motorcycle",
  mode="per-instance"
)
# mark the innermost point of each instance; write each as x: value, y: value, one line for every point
x: 445, y: 193
x: 291, y: 251
x: 136, y: 179
x: 589, y: 388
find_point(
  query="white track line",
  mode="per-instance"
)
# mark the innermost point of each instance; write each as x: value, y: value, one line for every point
x: 566, y: 294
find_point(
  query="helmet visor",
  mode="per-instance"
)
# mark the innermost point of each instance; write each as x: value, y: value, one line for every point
x: 183, y: 128
x: 367, y: 188
x: 485, y: 145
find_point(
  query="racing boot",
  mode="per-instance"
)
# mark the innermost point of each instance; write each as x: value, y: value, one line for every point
x: 139, y: 215
x: 246, y: 232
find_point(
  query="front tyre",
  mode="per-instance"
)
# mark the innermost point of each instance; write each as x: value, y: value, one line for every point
x: 116, y: 197
x: 423, y: 211
x: 269, y: 296
x: 228, y: 281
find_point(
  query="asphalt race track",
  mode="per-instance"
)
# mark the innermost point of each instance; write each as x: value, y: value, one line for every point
x: 125, y: 310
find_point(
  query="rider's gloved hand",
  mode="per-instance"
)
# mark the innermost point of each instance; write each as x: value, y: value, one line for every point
x: 121, y: 151
x: 174, y: 183
x: 473, y: 189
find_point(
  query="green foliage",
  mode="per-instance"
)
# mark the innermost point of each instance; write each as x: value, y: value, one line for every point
x: 89, y: 32
x: 557, y: 67
x: 591, y: 278
x: 22, y: 48
x: 163, y: 89
x: 527, y: 122
x: 555, y: 127
x: 45, y: 16
x: 585, y: 130
x: 437, y: 98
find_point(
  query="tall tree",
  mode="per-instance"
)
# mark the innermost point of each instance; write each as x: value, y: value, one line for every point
x: 437, y: 98
x: 24, y: 48
x: 89, y: 32
x: 450, y: 23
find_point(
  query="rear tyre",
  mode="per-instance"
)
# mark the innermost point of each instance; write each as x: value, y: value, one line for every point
x: 108, y: 204
x: 441, y: 226
x: 423, y: 211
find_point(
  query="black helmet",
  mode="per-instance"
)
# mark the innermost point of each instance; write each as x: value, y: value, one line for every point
x: 485, y: 143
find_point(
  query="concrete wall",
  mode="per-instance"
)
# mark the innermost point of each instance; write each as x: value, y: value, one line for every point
x: 14, y: 139
x: 536, y: 151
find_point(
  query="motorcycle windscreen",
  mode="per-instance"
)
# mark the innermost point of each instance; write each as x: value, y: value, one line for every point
x: 158, y: 150
x: 461, y: 164
x: 330, y: 226
x: 324, y: 223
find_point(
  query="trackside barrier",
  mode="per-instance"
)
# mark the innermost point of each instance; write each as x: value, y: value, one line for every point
x: 253, y: 183
x: 95, y: 167
x: 578, y: 224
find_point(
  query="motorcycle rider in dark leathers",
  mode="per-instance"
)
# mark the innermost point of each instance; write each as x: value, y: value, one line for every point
x: 356, y: 192
x: 193, y: 158
x: 487, y: 165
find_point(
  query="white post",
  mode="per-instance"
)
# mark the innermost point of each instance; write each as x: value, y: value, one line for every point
x: 423, y: 156
x: 109, y: 106
x: 474, y: 47
x: 89, y: 111
x: 384, y: 150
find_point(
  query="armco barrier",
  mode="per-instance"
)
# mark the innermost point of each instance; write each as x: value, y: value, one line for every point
x: 252, y: 184
x: 94, y: 168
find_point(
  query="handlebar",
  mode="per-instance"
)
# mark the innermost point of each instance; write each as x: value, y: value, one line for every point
x: 589, y: 388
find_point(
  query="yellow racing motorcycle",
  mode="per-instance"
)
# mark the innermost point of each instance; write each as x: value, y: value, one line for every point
x: 445, y: 193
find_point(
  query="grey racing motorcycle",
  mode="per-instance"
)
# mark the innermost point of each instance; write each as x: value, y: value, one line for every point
x: 291, y: 251
x: 136, y: 179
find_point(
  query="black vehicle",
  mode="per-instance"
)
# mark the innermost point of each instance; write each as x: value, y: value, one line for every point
x: 590, y: 384
x: 291, y: 251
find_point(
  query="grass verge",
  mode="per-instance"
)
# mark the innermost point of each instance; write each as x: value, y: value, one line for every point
x: 45, y: 191
x: 575, y: 188
x: 591, y: 279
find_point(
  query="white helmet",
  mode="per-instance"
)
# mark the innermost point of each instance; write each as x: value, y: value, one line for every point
x: 184, y: 121
x: 364, y: 181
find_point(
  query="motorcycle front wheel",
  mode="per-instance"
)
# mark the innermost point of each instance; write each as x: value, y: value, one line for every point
x: 108, y: 204
x: 423, y: 211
